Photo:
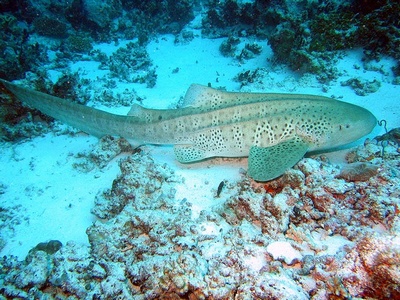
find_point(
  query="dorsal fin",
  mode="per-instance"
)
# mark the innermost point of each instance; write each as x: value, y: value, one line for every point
x: 136, y: 110
x: 148, y: 115
x: 206, y: 98
x: 200, y: 96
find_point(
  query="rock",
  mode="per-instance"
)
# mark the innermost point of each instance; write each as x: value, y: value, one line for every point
x: 50, y: 27
x: 133, y: 64
x: 103, y: 152
x: 284, y: 251
x: 36, y: 272
x: 361, y: 86
x: 371, y: 269
x: 358, y: 171
x: 102, y: 13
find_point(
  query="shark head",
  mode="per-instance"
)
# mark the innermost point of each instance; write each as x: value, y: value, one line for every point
x: 348, y: 123
x: 326, y: 125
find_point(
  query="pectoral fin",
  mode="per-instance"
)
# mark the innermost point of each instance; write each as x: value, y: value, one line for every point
x: 271, y: 162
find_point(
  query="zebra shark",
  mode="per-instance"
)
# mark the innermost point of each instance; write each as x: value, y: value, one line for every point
x: 274, y: 130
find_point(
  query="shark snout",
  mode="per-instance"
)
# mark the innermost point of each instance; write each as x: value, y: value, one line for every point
x: 355, y: 123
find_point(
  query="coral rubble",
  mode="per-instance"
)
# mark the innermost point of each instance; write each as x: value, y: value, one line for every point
x: 131, y: 58
x: 314, y: 232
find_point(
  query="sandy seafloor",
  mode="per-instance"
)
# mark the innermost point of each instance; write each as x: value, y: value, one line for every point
x: 52, y: 200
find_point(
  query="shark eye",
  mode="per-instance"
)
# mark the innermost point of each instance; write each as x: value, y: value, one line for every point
x: 347, y: 126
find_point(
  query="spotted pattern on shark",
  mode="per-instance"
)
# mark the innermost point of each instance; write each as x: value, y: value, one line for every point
x: 274, y: 130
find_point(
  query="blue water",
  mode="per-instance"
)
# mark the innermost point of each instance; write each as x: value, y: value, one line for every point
x: 85, y: 218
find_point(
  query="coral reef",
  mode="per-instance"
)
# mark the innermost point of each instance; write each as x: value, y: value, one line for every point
x: 50, y: 27
x: 152, y: 16
x: 320, y: 231
x: 111, y: 98
x: 249, y: 76
x: 358, y: 171
x: 229, y: 48
x: 371, y: 268
x: 49, y: 247
x: 362, y: 87
x: 306, y: 234
x: 19, y: 54
x: 132, y: 63
x: 225, y: 17
x: 378, y: 31
x: 79, y: 43
x: 9, y: 220
x: 184, y: 37
x: 309, y: 35
x: 66, y: 88
x: 105, y: 150
x: 305, y: 35
x: 102, y: 13
x: 18, y: 122
x: 391, y: 136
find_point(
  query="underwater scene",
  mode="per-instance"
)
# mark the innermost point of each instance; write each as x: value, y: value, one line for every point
x: 200, y: 149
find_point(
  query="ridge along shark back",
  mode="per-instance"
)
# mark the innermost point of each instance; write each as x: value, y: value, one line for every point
x: 274, y: 130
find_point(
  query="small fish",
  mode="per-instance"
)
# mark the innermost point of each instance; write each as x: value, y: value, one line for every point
x: 273, y: 130
x: 219, y: 189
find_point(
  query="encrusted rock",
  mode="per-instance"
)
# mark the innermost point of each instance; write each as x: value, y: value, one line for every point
x: 371, y: 268
x: 105, y: 150
x: 133, y: 64
x: 35, y: 273
x: 358, y: 171
x: 361, y: 86
x: 102, y: 13
x: 133, y: 182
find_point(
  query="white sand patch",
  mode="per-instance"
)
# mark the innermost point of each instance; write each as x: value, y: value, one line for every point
x: 284, y: 251
x: 40, y: 177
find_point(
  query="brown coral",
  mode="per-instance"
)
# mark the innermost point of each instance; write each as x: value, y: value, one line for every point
x: 371, y: 269
x: 358, y: 171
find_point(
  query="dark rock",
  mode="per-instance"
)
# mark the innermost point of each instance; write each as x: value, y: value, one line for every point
x: 50, y: 27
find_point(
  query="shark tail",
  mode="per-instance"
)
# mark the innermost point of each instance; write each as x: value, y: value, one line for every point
x: 93, y: 121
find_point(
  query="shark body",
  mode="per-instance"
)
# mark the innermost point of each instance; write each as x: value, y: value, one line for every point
x: 273, y: 130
